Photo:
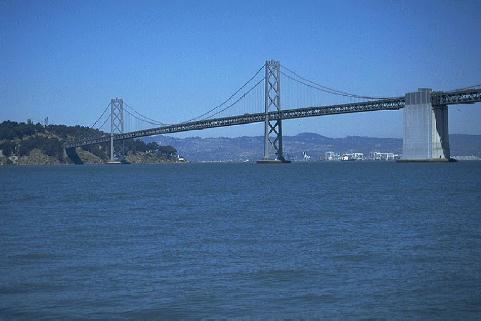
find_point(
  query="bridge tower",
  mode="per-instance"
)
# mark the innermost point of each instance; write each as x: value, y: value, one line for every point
x: 116, y: 121
x: 426, y: 135
x: 273, y: 152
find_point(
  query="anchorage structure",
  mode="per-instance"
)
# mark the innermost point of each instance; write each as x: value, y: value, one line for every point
x: 116, y: 122
x: 273, y: 152
x: 426, y: 134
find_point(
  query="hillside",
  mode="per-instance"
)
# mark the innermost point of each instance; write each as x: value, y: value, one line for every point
x: 34, y: 144
x: 315, y: 145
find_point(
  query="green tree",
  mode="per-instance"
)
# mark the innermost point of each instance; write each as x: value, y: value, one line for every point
x: 8, y: 148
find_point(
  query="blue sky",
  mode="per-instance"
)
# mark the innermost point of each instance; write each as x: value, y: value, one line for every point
x: 173, y: 60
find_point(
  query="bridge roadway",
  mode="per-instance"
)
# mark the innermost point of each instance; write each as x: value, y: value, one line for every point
x: 467, y: 96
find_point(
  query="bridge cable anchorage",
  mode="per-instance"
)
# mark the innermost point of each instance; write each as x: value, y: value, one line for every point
x: 145, y: 118
x: 228, y: 99
x: 314, y: 85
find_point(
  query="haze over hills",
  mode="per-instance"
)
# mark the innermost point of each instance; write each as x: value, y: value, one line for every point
x: 315, y: 145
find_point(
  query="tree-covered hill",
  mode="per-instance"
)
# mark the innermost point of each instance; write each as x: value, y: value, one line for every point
x: 31, y: 143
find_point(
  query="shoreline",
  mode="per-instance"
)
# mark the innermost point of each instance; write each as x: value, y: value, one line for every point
x: 242, y: 162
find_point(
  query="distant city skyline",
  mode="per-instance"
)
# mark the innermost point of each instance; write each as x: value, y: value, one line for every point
x: 175, y: 60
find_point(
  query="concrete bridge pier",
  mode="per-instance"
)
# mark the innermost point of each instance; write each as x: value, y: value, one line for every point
x: 426, y: 134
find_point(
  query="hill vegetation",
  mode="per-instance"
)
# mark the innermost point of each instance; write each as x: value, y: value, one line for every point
x: 28, y: 143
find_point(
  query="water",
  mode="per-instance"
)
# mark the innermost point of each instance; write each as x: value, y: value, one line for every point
x: 242, y: 241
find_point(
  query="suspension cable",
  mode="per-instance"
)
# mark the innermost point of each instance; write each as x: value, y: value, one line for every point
x: 228, y: 99
x: 238, y: 99
x: 465, y: 88
x: 142, y: 120
x: 325, y: 89
x: 106, y: 119
x: 105, y: 110
x: 147, y: 119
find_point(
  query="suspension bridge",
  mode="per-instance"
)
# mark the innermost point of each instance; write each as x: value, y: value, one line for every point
x: 425, y: 134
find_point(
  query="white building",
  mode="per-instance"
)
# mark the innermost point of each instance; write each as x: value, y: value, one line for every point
x: 383, y: 156
x: 330, y: 156
x: 352, y: 156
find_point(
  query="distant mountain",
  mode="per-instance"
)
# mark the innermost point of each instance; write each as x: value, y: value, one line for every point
x: 315, y: 145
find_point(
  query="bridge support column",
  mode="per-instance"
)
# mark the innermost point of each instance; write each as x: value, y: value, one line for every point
x: 426, y: 134
x: 116, y: 122
x: 273, y: 152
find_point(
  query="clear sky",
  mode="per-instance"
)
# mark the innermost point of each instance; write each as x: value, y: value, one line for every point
x: 173, y: 60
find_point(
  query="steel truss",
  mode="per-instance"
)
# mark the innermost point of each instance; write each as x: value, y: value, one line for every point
x: 396, y: 103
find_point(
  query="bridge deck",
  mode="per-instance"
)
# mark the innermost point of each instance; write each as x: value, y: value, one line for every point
x: 439, y: 98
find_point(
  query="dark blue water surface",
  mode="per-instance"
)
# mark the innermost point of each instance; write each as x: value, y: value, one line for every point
x: 353, y: 240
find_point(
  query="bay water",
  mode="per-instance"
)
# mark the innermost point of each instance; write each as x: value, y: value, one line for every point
x: 325, y: 240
